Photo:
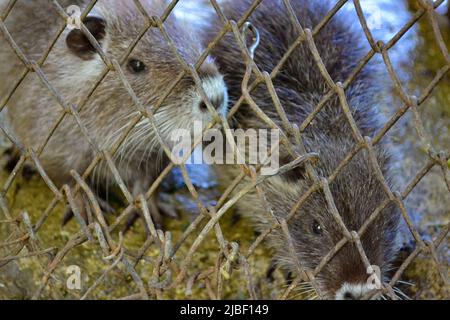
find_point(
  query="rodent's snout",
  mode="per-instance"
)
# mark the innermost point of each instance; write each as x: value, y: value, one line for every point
x: 217, y: 103
x: 353, y: 291
x: 216, y: 91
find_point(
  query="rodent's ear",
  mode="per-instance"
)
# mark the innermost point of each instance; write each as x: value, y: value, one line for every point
x: 79, y: 44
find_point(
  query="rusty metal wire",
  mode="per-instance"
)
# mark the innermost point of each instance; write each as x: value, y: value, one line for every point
x: 169, y: 269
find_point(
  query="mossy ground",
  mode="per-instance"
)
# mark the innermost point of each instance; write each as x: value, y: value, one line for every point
x: 19, y: 279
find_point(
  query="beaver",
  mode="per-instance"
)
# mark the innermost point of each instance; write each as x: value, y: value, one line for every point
x: 300, y: 86
x: 73, y: 67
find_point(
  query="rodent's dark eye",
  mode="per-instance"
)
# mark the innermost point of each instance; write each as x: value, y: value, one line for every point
x: 317, y: 228
x: 136, y: 66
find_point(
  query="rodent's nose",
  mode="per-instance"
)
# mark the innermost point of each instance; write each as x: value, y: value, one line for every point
x: 350, y: 296
x: 352, y: 291
x: 217, y: 103
x: 216, y: 92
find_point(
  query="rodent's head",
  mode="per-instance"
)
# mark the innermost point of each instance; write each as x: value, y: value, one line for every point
x: 357, y: 193
x: 151, y: 68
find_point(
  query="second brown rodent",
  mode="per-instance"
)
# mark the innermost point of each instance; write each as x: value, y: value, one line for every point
x: 300, y: 86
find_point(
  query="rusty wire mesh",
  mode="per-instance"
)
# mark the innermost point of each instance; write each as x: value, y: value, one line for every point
x: 170, y: 270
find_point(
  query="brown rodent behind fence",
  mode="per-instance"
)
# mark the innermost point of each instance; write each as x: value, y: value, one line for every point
x: 73, y: 68
x: 300, y: 86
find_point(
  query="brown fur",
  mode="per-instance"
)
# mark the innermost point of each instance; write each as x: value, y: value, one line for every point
x: 300, y: 86
x: 33, y: 110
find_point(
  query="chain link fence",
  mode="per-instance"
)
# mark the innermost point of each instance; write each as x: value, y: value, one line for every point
x: 198, y: 259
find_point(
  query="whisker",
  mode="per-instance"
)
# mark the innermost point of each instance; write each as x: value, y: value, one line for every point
x: 304, y: 294
x: 313, y: 297
x: 406, y: 283
x: 302, y: 288
x: 401, y: 293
